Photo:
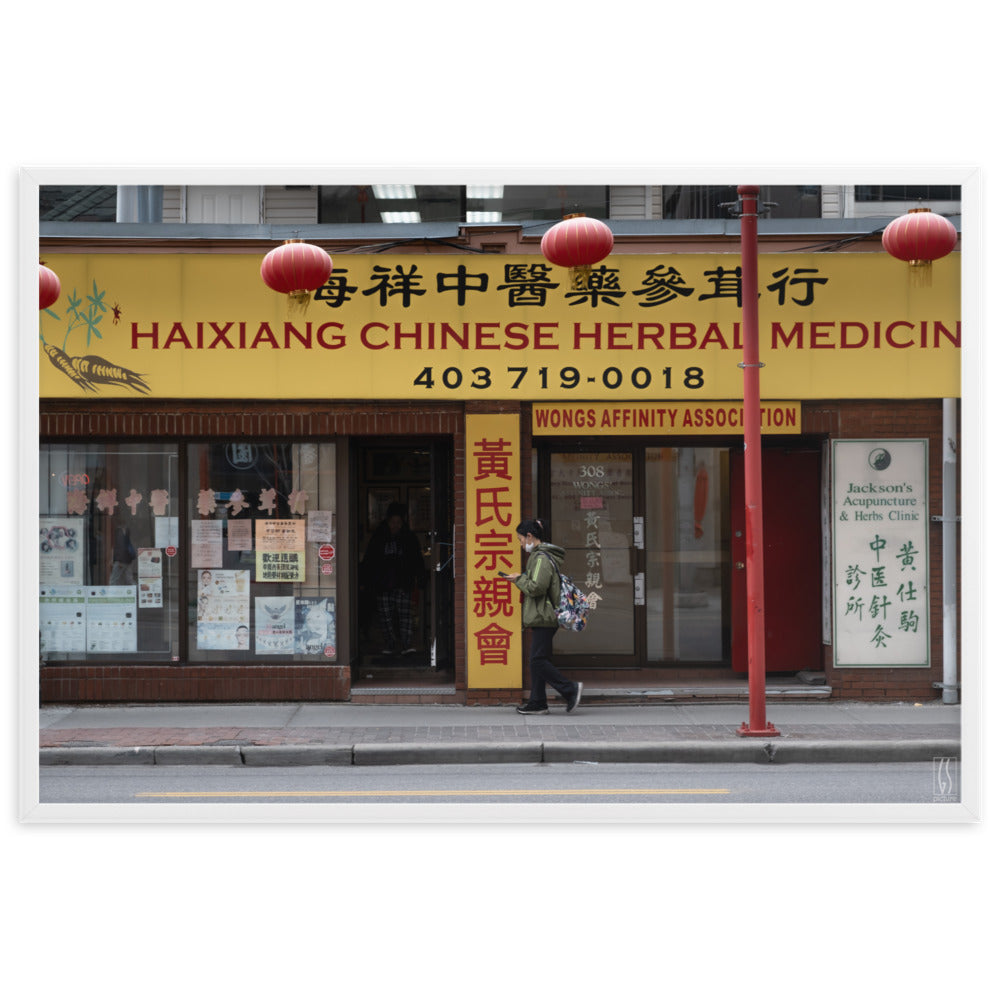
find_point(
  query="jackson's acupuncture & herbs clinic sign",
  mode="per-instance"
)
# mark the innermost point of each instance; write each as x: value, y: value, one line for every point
x: 881, y: 558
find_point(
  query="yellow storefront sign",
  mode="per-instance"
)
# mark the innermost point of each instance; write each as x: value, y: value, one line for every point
x: 493, y: 604
x: 646, y: 327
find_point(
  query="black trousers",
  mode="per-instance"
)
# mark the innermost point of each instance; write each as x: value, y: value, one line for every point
x: 542, y: 670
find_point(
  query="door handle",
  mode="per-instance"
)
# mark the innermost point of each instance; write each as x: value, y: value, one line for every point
x: 740, y: 565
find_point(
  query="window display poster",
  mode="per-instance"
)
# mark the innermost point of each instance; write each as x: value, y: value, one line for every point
x: 283, y: 535
x: 111, y: 620
x: 315, y: 626
x: 281, y: 551
x: 223, y: 615
x: 62, y: 619
x: 319, y: 526
x: 206, y: 544
x: 281, y: 567
x: 880, y: 551
x: 150, y: 565
x: 275, y: 625
x: 166, y: 532
x: 239, y: 535
x: 60, y: 550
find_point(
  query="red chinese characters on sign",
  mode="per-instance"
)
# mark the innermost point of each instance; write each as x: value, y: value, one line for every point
x: 492, y: 596
x: 493, y: 643
x: 493, y: 602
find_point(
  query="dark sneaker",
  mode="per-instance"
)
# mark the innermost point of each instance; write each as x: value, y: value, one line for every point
x: 575, y: 700
x: 528, y: 709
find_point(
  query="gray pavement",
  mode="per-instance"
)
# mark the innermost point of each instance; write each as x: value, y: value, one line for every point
x: 344, y: 734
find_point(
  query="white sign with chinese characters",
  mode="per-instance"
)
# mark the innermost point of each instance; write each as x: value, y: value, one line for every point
x: 881, y: 598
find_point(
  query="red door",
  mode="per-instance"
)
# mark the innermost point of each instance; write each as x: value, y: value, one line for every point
x: 793, y: 585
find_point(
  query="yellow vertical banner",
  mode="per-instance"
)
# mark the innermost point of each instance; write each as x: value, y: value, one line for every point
x: 493, y: 497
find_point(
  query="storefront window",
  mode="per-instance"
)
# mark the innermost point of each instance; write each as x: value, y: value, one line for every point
x: 687, y: 553
x: 262, y: 570
x: 108, y: 557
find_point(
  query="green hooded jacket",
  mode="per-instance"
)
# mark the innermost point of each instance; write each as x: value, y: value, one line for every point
x: 540, y: 585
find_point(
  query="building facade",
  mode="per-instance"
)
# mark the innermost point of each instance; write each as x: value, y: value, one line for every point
x: 216, y: 459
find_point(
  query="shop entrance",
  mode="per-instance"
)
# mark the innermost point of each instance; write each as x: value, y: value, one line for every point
x: 655, y: 534
x: 793, y: 580
x: 403, y: 513
x: 646, y: 532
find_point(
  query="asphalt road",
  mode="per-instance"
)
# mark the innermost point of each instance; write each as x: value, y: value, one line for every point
x: 578, y: 783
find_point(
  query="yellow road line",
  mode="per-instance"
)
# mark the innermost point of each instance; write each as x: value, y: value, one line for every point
x: 470, y: 793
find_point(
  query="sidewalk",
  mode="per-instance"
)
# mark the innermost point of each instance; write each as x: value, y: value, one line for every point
x: 345, y: 734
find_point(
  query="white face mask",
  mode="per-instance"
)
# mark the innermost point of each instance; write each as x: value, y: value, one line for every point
x: 529, y: 546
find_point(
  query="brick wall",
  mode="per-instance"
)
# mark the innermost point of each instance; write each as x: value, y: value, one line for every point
x: 495, y: 696
x: 190, y: 419
x: 66, y: 684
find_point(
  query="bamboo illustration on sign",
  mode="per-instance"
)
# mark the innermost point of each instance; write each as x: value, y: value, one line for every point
x: 90, y: 370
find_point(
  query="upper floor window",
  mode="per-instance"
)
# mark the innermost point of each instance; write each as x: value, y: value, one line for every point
x: 907, y: 192
x: 717, y: 201
x: 474, y: 203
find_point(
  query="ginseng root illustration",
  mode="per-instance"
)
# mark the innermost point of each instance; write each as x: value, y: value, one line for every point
x: 91, y: 370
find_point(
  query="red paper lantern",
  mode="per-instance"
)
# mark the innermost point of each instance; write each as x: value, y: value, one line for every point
x: 919, y: 237
x: 48, y: 286
x: 577, y: 243
x: 296, y: 269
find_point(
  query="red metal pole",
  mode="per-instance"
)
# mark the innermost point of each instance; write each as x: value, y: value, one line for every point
x: 758, y: 725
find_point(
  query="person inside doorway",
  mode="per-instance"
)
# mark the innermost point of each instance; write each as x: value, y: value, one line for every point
x: 393, y: 569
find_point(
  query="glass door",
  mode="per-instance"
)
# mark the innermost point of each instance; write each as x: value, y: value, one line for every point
x: 647, y: 538
x: 687, y: 549
x: 592, y: 515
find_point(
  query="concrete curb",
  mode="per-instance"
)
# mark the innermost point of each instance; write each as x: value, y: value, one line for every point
x: 863, y: 751
x: 319, y: 754
x: 197, y: 755
x: 748, y: 751
x: 96, y: 755
x: 448, y: 753
x: 657, y: 752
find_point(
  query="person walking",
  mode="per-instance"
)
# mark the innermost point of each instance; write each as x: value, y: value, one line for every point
x: 539, y: 583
